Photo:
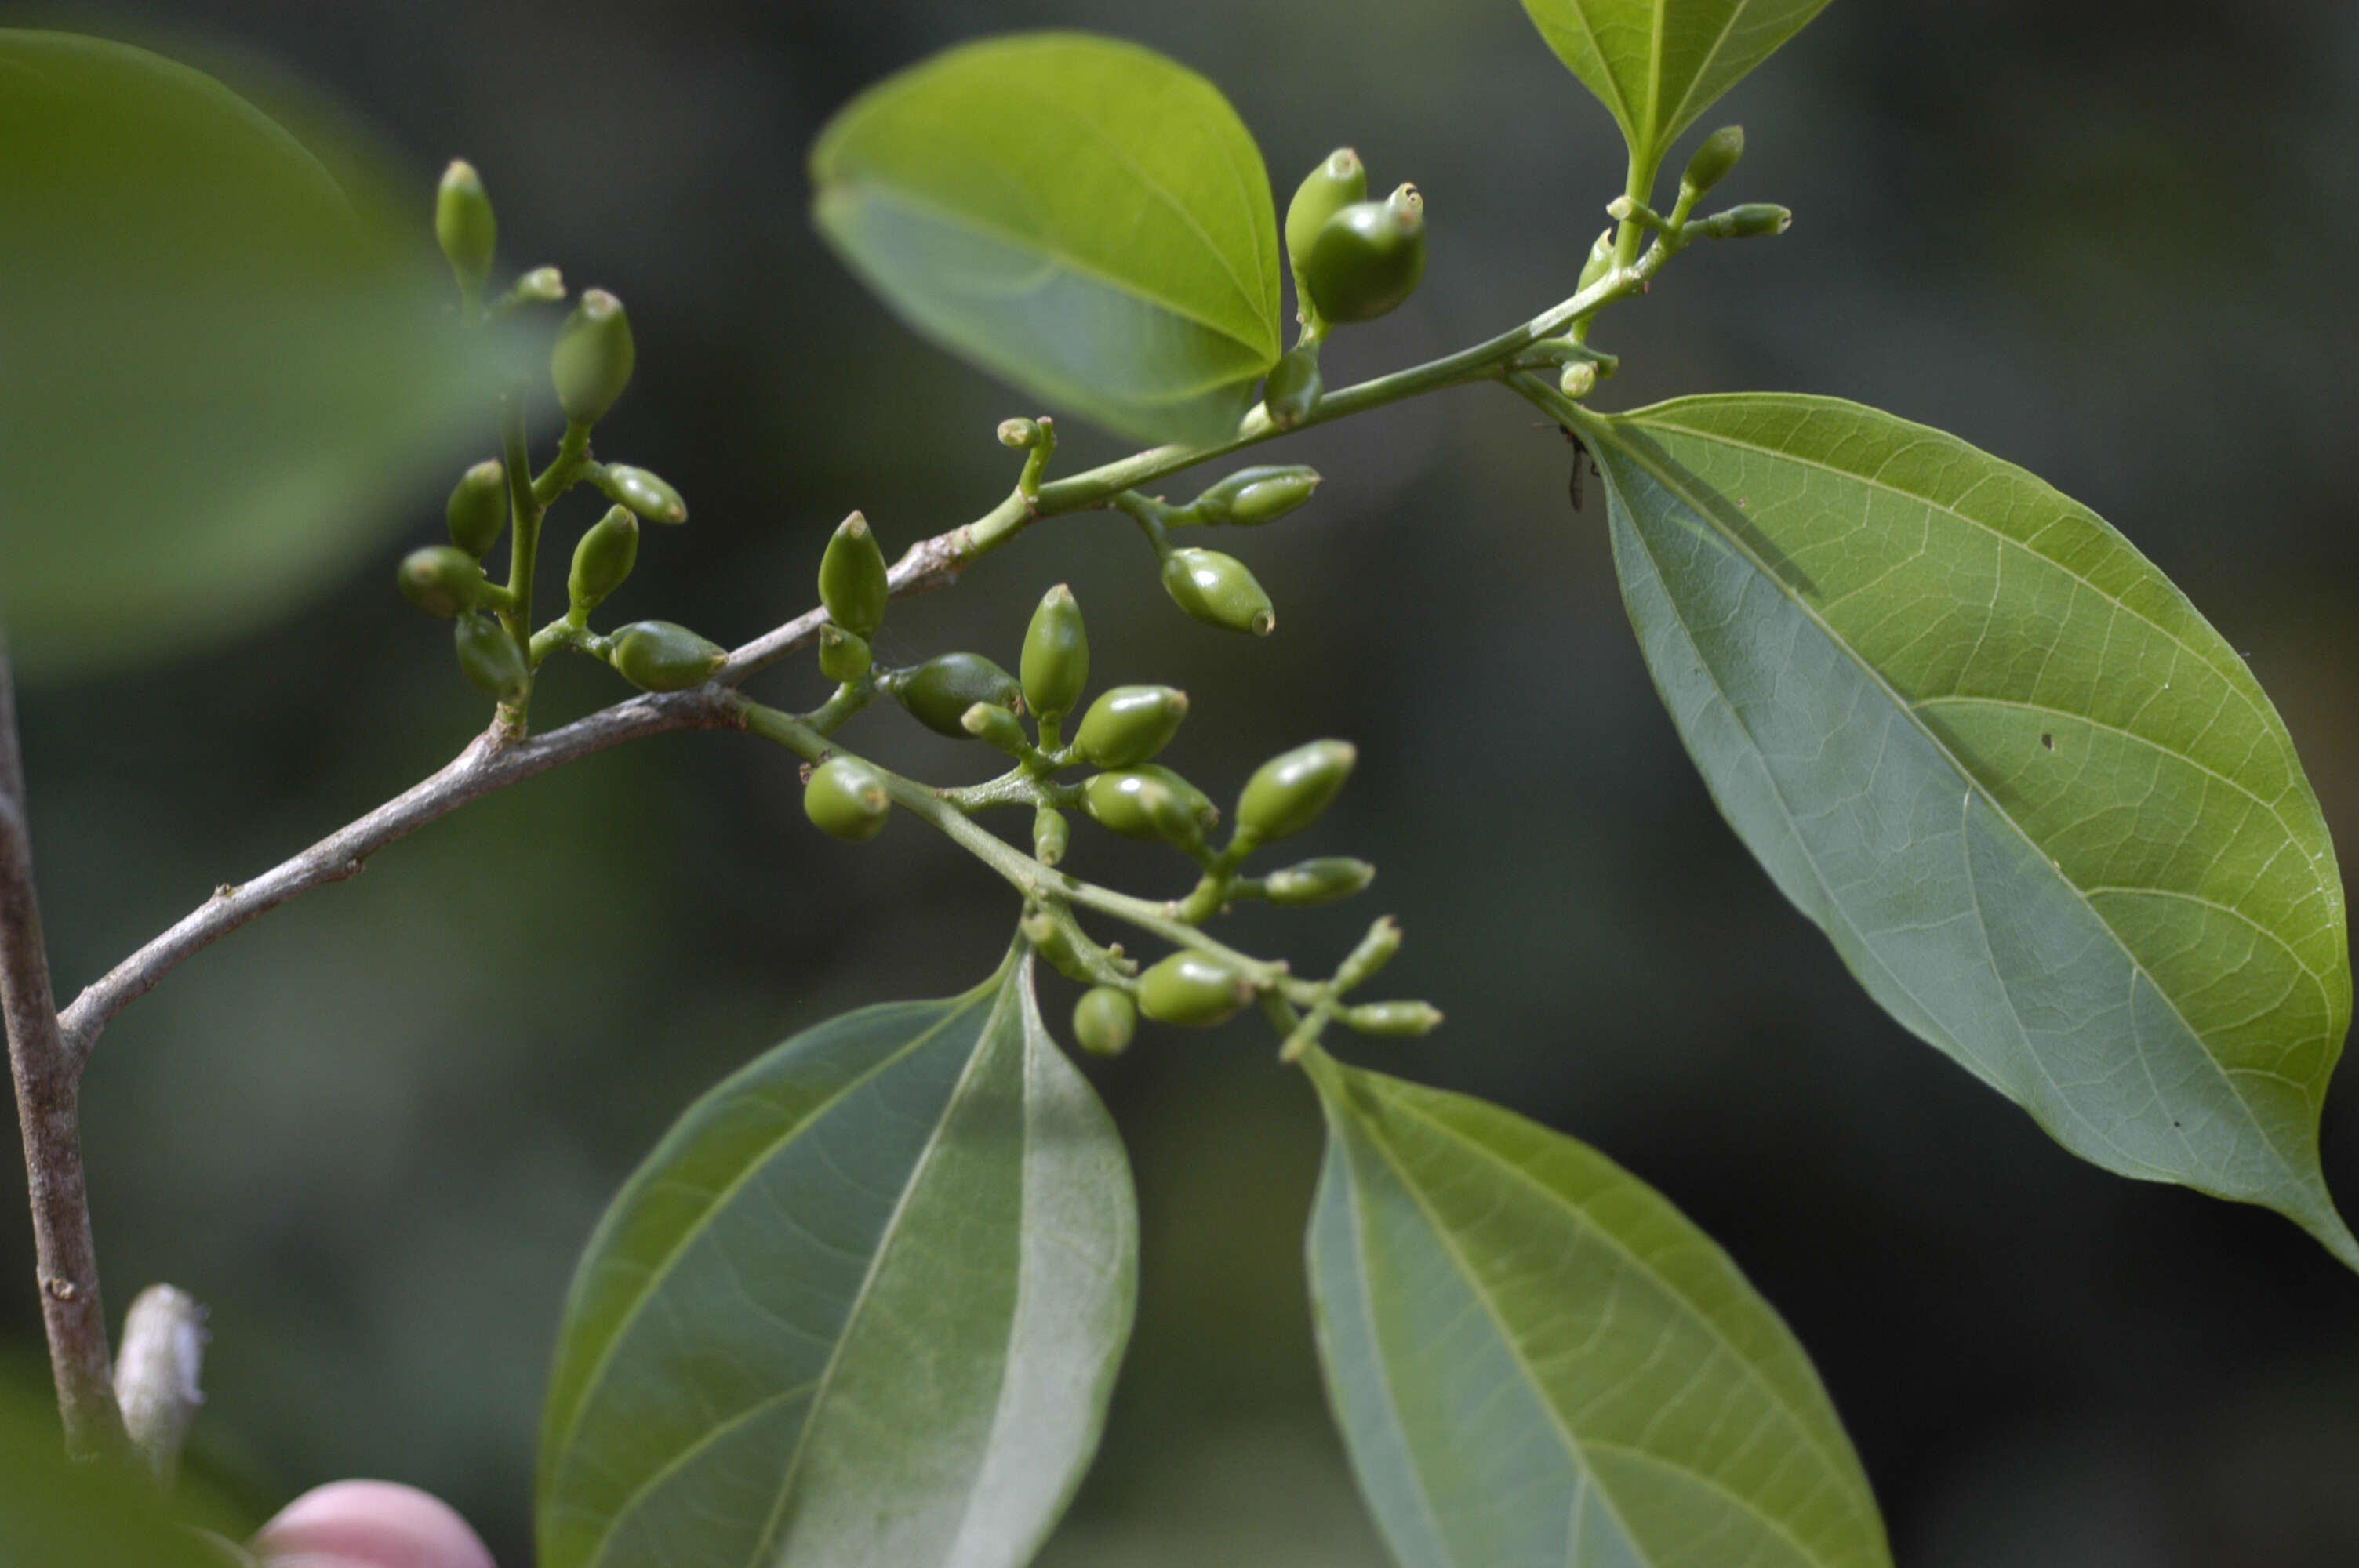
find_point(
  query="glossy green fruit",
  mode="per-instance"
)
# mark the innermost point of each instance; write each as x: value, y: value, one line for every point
x: 1049, y: 835
x: 593, y: 357
x: 1287, y: 793
x: 847, y: 797
x: 1152, y: 803
x: 657, y: 656
x: 441, y: 580
x: 1055, y: 663
x: 1188, y: 988
x: 1322, y: 881
x: 1129, y: 724
x: 938, y: 692
x: 1103, y: 1021
x: 1218, y: 590
x: 1294, y: 386
x: 852, y: 579
x: 1394, y: 1018
x: 464, y: 227
x: 644, y: 493
x: 1256, y: 495
x: 478, y: 508
x: 842, y: 657
x: 1712, y: 160
x: 1368, y: 257
x: 491, y: 658
x: 604, y: 558
x: 1339, y: 182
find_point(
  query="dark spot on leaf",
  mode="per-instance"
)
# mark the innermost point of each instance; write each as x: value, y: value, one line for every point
x: 2048, y: 741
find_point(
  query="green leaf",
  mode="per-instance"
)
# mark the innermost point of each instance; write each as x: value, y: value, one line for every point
x: 54, y: 1514
x: 1083, y: 216
x: 862, y: 1304
x: 1658, y: 64
x: 1535, y: 1359
x: 2046, y: 814
x: 224, y: 366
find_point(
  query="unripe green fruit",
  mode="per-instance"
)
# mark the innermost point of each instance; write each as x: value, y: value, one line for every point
x: 1287, y: 793
x: 1218, y: 590
x: 592, y: 360
x: 478, y: 508
x: 1020, y: 433
x: 1055, y: 663
x: 1339, y: 182
x: 491, y: 658
x: 1579, y: 380
x: 1368, y: 257
x: 1129, y: 724
x: 1049, y: 835
x: 1150, y: 802
x: 1103, y: 1021
x: 938, y: 692
x: 1322, y: 881
x: 1256, y: 495
x: 847, y: 797
x: 1294, y: 386
x: 842, y: 657
x: 644, y: 493
x: 464, y: 227
x: 441, y: 580
x: 852, y: 579
x: 657, y: 656
x: 1712, y: 160
x: 994, y: 726
x: 1192, y: 988
x: 1394, y: 1018
x: 604, y: 558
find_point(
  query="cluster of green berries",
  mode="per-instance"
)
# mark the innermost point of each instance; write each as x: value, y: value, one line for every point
x: 1353, y: 259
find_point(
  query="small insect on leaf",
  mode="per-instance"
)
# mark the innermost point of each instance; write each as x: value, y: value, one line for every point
x: 1579, y: 452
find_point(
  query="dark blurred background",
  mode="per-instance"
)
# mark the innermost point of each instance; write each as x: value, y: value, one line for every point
x: 2110, y: 242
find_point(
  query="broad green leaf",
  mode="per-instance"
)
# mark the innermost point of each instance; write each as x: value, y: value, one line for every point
x: 58, y: 1515
x: 862, y: 1304
x: 223, y: 370
x: 1538, y: 1362
x: 1658, y: 64
x: 1083, y: 216
x: 2045, y: 813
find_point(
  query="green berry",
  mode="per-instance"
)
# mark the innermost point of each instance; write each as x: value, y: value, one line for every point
x: 657, y: 656
x: 1578, y: 379
x: 1056, y: 664
x: 1712, y: 161
x: 842, y: 657
x: 1322, y: 881
x: 847, y: 797
x: 1294, y: 386
x: 1103, y: 1021
x: 1218, y: 590
x: 443, y: 580
x: 1192, y: 988
x: 604, y: 558
x: 491, y: 658
x: 1368, y: 257
x: 465, y: 228
x: 1394, y: 1018
x: 591, y: 362
x: 1255, y: 495
x: 938, y: 692
x: 1339, y: 182
x: 1129, y: 724
x: 1287, y: 793
x: 644, y: 493
x: 1150, y: 802
x: 478, y: 508
x: 1049, y: 835
x: 852, y: 579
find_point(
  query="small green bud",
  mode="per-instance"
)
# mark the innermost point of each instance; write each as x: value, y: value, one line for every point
x: 541, y: 285
x: 842, y: 657
x: 1049, y: 835
x: 1192, y: 988
x: 1256, y: 495
x: 1322, y: 881
x: 465, y: 228
x: 1019, y: 434
x: 1103, y: 1021
x: 591, y: 362
x: 443, y: 580
x: 1394, y: 1018
x: 1126, y: 726
x: 491, y: 658
x: 1374, y: 951
x: 1294, y: 386
x: 1151, y: 803
x: 847, y: 797
x: 1339, y: 182
x: 1601, y: 259
x: 1752, y: 221
x: 604, y: 558
x: 1368, y: 257
x: 1218, y: 590
x: 478, y: 508
x: 1287, y: 793
x: 644, y: 493
x: 852, y: 579
x: 1712, y: 161
x: 1056, y: 664
x: 994, y: 726
x: 657, y: 656
x: 1579, y: 380
x: 938, y: 692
